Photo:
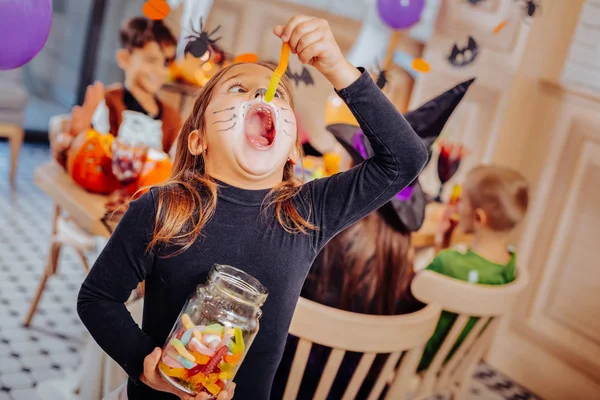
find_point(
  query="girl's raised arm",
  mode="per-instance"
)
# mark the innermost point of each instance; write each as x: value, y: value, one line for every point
x: 343, y: 199
x: 399, y: 156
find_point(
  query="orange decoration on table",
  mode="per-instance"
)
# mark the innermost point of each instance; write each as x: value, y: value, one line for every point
x: 500, y: 26
x: 246, y: 58
x: 156, y: 9
x: 156, y: 169
x: 89, y: 162
x: 420, y: 65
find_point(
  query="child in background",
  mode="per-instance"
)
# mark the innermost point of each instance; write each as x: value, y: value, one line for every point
x: 131, y: 110
x: 494, y: 201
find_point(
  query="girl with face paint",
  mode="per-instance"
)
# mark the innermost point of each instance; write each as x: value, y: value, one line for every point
x: 232, y: 199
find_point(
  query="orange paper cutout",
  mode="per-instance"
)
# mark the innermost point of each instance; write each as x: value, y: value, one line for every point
x: 420, y: 65
x: 156, y: 9
x: 500, y: 26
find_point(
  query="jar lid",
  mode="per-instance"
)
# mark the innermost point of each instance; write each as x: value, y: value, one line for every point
x: 238, y: 284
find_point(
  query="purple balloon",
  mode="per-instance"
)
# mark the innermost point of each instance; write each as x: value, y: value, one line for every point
x: 24, y: 29
x: 400, y: 14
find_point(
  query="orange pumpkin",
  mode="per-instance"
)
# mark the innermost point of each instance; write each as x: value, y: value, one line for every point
x: 89, y: 162
x: 156, y: 169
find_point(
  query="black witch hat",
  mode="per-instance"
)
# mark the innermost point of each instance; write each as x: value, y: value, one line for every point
x: 406, y: 211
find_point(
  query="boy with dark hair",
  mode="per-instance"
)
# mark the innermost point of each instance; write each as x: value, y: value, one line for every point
x: 132, y: 111
x: 495, y: 200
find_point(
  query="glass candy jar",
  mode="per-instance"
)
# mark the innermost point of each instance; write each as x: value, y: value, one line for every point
x: 213, y: 332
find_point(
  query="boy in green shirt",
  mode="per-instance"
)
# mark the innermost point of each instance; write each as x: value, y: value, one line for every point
x: 494, y: 202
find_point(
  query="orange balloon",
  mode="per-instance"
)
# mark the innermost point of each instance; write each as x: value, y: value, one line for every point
x: 500, y: 26
x: 420, y: 65
x: 336, y: 111
x: 156, y: 9
x: 246, y: 58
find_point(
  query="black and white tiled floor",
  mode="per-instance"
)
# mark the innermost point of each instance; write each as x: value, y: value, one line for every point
x: 53, y: 344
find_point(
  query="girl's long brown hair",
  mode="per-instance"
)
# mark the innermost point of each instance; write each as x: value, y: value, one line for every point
x: 370, y: 264
x: 188, y: 200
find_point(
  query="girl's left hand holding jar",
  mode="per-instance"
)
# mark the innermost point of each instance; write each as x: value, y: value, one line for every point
x: 152, y: 378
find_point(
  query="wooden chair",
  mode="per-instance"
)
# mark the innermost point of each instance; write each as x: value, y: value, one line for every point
x: 13, y: 101
x: 64, y: 232
x: 488, y: 302
x: 15, y: 136
x: 345, y: 331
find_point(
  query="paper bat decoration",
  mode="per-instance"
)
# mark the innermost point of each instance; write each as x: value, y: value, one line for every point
x: 304, y: 76
x: 461, y: 57
x: 382, y: 78
x: 530, y: 7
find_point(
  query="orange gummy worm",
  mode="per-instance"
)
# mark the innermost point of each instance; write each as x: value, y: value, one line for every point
x: 284, y: 58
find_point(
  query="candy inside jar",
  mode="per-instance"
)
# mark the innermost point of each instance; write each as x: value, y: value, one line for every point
x: 214, y: 331
x: 203, y: 358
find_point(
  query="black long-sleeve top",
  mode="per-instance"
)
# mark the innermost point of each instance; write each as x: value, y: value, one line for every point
x: 239, y: 234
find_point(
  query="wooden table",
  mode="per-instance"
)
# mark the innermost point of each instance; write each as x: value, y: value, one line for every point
x: 85, y: 208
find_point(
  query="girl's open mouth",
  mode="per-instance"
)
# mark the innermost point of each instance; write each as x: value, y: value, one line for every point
x: 259, y: 126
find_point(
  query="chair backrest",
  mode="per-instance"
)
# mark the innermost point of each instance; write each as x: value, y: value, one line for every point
x: 488, y: 302
x: 369, y: 334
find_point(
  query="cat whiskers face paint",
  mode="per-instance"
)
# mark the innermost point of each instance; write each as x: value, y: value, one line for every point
x: 225, y: 119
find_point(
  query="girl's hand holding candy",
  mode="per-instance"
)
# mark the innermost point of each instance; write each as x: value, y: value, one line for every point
x: 312, y: 40
x: 152, y: 378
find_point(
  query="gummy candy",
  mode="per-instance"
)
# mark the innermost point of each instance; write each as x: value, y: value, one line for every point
x: 185, y: 338
x: 278, y: 73
x: 211, y: 366
x: 181, y: 349
x: 173, y: 372
x: 186, y: 363
x: 200, y: 358
x: 233, y: 359
x: 239, y: 340
x: 203, y: 358
x: 217, y: 329
x: 187, y: 321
